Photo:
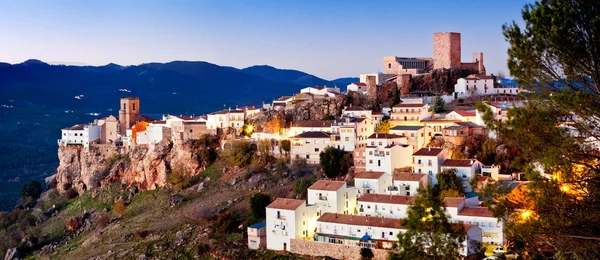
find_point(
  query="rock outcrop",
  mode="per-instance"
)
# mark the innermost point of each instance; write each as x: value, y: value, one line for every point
x: 146, y: 166
x: 318, y: 109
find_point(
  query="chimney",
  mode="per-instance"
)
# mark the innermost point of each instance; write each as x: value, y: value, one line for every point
x: 429, y: 148
x: 472, y: 161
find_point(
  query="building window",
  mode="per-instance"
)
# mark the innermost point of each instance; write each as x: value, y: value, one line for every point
x: 391, y: 233
x: 316, y: 149
x: 307, y: 156
x: 370, y: 161
x: 133, y: 106
x: 370, y: 152
x: 389, y: 65
x: 387, y: 152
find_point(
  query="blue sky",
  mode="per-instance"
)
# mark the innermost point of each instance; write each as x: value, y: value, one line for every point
x: 329, y: 39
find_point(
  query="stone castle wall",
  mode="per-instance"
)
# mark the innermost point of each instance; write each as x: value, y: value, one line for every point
x: 313, y: 248
x: 446, y: 50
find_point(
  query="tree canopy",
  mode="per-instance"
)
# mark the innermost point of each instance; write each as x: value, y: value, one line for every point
x: 32, y: 189
x: 334, y: 162
x: 556, y: 135
x: 448, y: 181
x: 258, y: 204
x: 429, y: 234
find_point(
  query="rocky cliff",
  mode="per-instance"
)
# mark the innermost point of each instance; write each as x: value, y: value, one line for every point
x: 147, y: 166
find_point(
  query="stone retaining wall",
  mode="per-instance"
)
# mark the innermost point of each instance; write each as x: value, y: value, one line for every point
x: 313, y: 248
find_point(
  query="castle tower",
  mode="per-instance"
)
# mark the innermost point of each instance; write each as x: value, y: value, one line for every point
x: 446, y: 50
x: 129, y: 112
x: 478, y: 60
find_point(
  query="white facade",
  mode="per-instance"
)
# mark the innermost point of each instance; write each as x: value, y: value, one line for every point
x: 321, y: 91
x: 429, y: 161
x: 225, y: 118
x: 358, y: 87
x: 349, y: 133
x: 407, y: 184
x: 155, y: 132
x: 384, y: 206
x: 287, y: 219
x: 333, y: 197
x: 386, y: 152
x: 466, y: 211
x: 333, y: 228
x: 461, y: 115
x: 417, y: 136
x: 356, y: 112
x: 410, y: 112
x: 80, y: 134
x: 308, y: 145
x: 481, y: 86
x: 372, y: 182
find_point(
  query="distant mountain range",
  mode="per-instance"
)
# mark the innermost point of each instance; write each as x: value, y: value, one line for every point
x: 174, y: 87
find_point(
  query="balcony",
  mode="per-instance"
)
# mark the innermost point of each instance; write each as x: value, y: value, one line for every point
x: 281, y: 217
x: 323, y: 198
x: 361, y: 210
x: 280, y: 232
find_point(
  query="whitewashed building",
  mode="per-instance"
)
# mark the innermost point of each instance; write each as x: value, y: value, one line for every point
x: 309, y: 145
x: 462, y: 115
x: 386, y: 152
x: 372, y: 182
x: 321, y: 91
x: 465, y: 169
x: 481, y: 85
x: 384, y: 206
x: 225, y: 118
x: 467, y: 211
x: 289, y: 219
x: 301, y: 126
x: 407, y: 183
x: 358, y: 87
x: 349, y: 133
x: 410, y: 113
x: 417, y: 136
x: 80, y: 134
x: 332, y: 196
x: 429, y: 161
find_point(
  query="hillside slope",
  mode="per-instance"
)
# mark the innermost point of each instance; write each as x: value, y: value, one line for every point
x: 286, y: 75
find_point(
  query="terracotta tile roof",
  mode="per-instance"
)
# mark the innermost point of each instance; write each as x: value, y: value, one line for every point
x: 311, y: 134
x: 389, y: 199
x: 408, y: 176
x: 476, y: 212
x: 458, y: 163
x: 383, y: 136
x: 478, y: 76
x: 246, y: 108
x: 482, y: 178
x: 453, y: 202
x: 161, y: 122
x: 312, y: 123
x: 359, y: 84
x: 440, y: 120
x: 467, y: 124
x: 406, y: 127
x: 464, y: 113
x: 327, y: 185
x: 410, y: 105
x: 286, y: 204
x: 360, y: 220
x: 376, y: 113
x: 75, y: 127
x: 369, y: 175
x: 426, y: 151
x: 283, y: 98
x: 226, y: 111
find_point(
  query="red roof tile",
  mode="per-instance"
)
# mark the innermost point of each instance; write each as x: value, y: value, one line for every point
x: 369, y: 175
x: 453, y: 202
x: 286, y: 204
x: 428, y: 151
x: 383, y: 136
x: 359, y: 84
x: 464, y: 113
x: 410, y: 105
x: 389, y: 199
x: 458, y: 163
x: 312, y: 123
x: 476, y: 212
x: 312, y: 134
x: 327, y: 185
x: 360, y: 220
x: 408, y: 176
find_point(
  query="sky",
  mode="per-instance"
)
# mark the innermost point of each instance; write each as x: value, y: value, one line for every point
x: 329, y: 39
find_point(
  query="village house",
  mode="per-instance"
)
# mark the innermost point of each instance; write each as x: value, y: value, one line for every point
x: 437, y: 124
x: 409, y: 114
x: 429, y: 161
x: 257, y: 236
x: 374, y: 232
x: 289, y: 219
x: 225, y: 118
x: 301, y: 126
x: 465, y: 169
x: 349, y: 133
x: 386, y: 152
x: 249, y: 111
x: 461, y: 115
x: 417, y: 136
x: 309, y: 145
x: 109, y: 129
x: 384, y: 206
x: 372, y: 182
x: 407, y: 183
x: 358, y: 87
x: 359, y: 158
x: 332, y: 196
x: 322, y: 91
x: 357, y: 112
x: 481, y: 85
x: 80, y: 134
x: 458, y: 132
x: 281, y: 102
x: 155, y: 133
x: 467, y: 211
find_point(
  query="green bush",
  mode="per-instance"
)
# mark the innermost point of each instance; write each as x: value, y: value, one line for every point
x: 32, y: 189
x: 302, y: 185
x: 366, y: 253
x: 334, y: 162
x: 258, y: 203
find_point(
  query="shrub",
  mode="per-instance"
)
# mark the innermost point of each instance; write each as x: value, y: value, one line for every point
x: 73, y: 223
x: 334, y: 162
x: 119, y: 207
x: 178, y: 179
x: 285, y: 145
x: 301, y: 186
x: 27, y: 220
x: 5, y: 219
x: 31, y: 189
x: 226, y: 222
x: 104, y: 220
x: 460, y: 100
x: 71, y: 193
x: 258, y: 203
x: 300, y: 164
x: 141, y: 233
x: 366, y: 253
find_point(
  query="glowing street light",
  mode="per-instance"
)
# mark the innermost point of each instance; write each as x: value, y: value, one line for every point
x: 564, y: 188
